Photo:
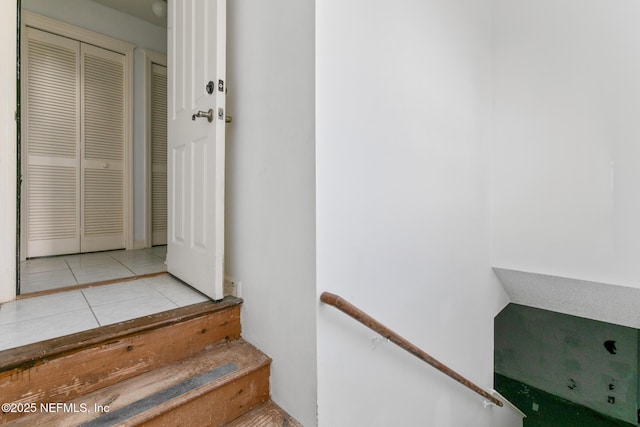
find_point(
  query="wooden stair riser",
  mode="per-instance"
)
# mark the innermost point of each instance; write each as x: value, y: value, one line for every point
x: 237, y: 380
x: 69, y: 376
x: 215, y: 408
x: 210, y: 387
x: 266, y: 415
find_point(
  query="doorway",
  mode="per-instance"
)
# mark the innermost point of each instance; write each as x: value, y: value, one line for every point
x: 128, y: 240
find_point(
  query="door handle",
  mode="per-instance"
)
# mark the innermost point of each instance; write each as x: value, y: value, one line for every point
x: 207, y: 114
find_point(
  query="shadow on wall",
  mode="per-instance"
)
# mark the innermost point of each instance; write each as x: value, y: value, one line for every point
x: 564, y: 370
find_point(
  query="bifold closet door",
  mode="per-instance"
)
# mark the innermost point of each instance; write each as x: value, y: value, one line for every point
x: 102, y: 149
x: 158, y: 154
x: 51, y: 134
x: 74, y: 138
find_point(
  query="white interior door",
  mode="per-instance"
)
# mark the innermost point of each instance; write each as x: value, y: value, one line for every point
x: 196, y: 56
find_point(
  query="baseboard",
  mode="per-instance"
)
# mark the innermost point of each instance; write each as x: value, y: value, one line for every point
x: 139, y: 244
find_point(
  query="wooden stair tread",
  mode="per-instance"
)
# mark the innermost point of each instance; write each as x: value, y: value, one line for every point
x: 124, y: 352
x: 234, y: 360
x: 266, y: 415
x: 184, y: 367
x: 56, y: 347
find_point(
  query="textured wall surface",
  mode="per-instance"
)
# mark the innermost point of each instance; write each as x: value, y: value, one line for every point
x: 585, y: 361
x: 593, y: 300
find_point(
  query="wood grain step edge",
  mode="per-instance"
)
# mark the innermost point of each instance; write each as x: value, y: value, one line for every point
x: 95, y: 367
x: 28, y: 355
x: 210, y: 404
x: 207, y: 399
x: 268, y: 414
x: 247, y: 358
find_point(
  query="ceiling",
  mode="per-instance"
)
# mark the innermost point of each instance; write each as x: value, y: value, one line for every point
x: 138, y: 8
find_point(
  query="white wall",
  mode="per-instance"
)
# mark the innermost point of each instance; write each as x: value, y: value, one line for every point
x: 101, y: 19
x: 403, y: 119
x: 566, y: 156
x: 270, y: 199
x: 8, y: 159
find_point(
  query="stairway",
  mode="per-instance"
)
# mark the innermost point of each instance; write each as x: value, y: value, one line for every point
x: 184, y: 367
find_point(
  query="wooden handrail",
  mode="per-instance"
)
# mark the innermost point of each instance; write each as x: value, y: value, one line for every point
x: 362, y: 317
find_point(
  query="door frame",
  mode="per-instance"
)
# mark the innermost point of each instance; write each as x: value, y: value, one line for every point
x: 34, y: 20
x: 150, y: 57
x: 8, y: 150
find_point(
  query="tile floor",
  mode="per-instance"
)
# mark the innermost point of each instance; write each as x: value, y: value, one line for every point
x: 49, y: 273
x: 38, y: 318
x: 43, y: 317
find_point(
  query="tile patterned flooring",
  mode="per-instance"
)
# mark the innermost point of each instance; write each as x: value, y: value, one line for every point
x: 38, y: 318
x: 49, y: 273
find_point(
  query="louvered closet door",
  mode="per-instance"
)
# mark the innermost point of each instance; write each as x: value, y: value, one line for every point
x: 102, y: 149
x: 158, y: 155
x: 51, y: 136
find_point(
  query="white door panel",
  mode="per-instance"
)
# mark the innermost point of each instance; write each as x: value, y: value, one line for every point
x: 197, y: 55
x: 102, y: 149
x: 51, y: 90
